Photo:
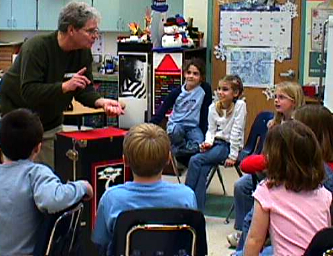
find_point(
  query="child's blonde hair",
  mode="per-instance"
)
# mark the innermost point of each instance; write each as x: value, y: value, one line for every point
x: 295, y: 92
x: 146, y: 149
x: 294, y: 157
x: 236, y: 85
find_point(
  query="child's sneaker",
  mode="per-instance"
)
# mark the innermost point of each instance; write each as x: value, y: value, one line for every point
x: 233, y: 239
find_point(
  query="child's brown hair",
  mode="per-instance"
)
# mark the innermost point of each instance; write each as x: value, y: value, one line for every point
x: 294, y: 157
x: 236, y: 85
x: 199, y: 64
x: 320, y: 120
x: 146, y: 149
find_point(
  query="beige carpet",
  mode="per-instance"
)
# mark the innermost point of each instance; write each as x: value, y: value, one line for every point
x: 215, y: 227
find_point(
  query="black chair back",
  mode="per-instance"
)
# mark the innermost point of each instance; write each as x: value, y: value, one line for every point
x: 257, y: 135
x: 321, y: 243
x: 160, y: 231
x: 59, y: 234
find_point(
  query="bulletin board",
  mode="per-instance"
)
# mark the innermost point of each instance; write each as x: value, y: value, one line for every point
x: 255, y: 29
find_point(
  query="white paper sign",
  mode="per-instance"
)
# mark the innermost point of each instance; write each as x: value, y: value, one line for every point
x: 255, y: 29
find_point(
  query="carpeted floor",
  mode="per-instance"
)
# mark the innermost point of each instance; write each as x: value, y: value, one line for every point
x: 218, y: 205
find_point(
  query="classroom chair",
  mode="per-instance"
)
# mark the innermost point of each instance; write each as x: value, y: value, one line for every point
x: 321, y: 243
x: 160, y: 231
x: 59, y: 235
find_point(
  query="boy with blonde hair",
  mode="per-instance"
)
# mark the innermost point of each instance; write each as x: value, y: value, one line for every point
x: 146, y: 150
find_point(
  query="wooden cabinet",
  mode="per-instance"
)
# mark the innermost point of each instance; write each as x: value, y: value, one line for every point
x: 18, y: 14
x: 6, y: 55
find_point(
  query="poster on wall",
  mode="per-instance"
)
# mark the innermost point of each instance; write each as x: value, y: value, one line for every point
x: 167, y: 75
x: 255, y: 29
x: 318, y: 18
x: 255, y: 66
x: 133, y: 81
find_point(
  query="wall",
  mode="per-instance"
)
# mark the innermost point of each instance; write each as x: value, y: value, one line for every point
x: 197, y: 9
x: 9, y: 36
x: 307, y: 42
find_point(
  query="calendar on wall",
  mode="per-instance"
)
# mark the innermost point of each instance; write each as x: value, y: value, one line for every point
x: 255, y: 29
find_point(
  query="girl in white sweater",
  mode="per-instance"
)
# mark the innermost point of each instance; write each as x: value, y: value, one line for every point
x: 224, y: 138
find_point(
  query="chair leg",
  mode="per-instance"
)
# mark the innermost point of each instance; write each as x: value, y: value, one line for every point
x: 221, y: 179
x: 229, y: 214
x: 239, y: 172
x: 211, y: 175
x: 175, y: 170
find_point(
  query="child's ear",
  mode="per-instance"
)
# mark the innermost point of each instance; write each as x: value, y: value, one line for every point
x: 125, y: 161
x: 37, y: 148
x: 236, y: 93
x: 170, y: 158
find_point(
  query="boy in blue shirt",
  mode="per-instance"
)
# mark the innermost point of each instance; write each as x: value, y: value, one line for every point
x: 146, y: 150
x: 28, y: 189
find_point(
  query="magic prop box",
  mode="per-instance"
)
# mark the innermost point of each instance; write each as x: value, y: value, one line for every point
x: 96, y: 156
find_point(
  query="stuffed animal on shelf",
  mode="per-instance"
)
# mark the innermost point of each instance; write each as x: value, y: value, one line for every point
x: 182, y: 28
x: 171, y: 36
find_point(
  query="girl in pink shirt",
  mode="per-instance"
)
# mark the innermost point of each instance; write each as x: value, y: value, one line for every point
x: 291, y: 203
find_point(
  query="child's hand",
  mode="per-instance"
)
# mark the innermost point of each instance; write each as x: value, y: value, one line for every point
x: 270, y: 124
x: 205, y: 146
x: 90, y: 191
x: 229, y: 162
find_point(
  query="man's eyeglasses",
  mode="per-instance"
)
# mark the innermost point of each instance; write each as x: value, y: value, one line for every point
x: 91, y: 31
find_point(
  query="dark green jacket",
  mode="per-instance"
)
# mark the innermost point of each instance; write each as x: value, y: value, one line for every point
x: 35, y: 80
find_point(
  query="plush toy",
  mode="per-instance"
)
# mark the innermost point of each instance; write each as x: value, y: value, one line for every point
x: 182, y: 27
x: 158, y: 17
x: 171, y: 37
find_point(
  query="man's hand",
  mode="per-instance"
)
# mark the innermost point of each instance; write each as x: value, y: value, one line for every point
x: 90, y: 191
x: 77, y: 81
x: 111, y: 107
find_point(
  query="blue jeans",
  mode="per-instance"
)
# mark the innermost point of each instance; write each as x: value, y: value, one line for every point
x: 245, y: 229
x: 185, y: 140
x: 243, y: 199
x: 199, y: 167
x: 267, y: 251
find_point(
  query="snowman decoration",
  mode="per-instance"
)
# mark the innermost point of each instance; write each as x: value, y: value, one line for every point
x: 172, y: 37
x: 182, y: 29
